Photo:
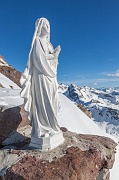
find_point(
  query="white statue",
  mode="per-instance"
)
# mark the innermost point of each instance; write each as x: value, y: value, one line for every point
x: 39, y: 89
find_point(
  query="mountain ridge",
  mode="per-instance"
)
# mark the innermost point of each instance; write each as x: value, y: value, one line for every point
x: 9, y: 71
x: 103, y: 104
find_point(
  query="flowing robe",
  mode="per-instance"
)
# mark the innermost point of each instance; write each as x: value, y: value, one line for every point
x: 39, y: 90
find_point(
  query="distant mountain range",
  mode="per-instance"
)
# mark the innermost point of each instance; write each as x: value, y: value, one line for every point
x: 103, y: 104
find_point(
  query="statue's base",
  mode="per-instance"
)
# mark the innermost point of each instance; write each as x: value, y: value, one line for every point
x: 47, y: 143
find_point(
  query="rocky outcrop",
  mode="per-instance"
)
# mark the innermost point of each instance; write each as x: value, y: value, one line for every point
x: 11, y: 120
x: 85, y: 110
x: 81, y: 157
x: 9, y: 71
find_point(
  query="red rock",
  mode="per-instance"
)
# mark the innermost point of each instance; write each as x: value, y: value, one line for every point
x: 84, y: 160
x: 85, y: 110
x: 11, y: 73
x: 72, y: 166
x: 10, y: 120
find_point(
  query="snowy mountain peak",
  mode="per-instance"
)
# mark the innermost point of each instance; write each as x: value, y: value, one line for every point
x: 103, y: 104
x: 3, y: 62
x: 62, y: 88
x: 72, y: 86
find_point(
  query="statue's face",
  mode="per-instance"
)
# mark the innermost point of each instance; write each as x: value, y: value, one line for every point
x: 45, y: 28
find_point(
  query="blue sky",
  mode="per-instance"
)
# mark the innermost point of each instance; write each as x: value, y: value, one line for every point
x: 88, y: 32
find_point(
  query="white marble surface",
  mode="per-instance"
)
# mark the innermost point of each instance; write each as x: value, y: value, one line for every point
x: 39, y: 83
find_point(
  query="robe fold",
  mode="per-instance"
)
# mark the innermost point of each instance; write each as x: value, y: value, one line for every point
x: 39, y: 90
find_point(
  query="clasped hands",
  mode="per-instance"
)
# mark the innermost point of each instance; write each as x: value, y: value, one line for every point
x: 54, y: 53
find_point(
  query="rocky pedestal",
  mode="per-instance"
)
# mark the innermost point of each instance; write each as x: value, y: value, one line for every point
x: 80, y: 157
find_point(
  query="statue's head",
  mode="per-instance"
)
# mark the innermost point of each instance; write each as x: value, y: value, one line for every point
x: 42, y: 27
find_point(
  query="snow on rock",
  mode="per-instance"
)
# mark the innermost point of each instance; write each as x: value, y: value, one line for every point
x: 71, y: 117
x: 3, y: 62
x: 115, y: 170
x: 7, y: 83
x: 62, y: 88
x: 9, y: 98
x: 10, y: 72
x: 103, y: 103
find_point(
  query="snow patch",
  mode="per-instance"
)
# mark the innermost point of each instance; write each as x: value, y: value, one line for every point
x: 3, y: 62
x: 7, y: 83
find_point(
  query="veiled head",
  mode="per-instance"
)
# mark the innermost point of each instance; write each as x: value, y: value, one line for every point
x: 42, y: 27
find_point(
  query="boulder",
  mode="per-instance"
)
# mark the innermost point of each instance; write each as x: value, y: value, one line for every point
x: 80, y: 157
x: 11, y: 120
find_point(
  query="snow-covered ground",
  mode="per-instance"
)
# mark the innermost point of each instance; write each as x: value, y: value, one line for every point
x: 103, y: 103
x: 69, y: 116
x: 7, y: 83
x: 114, y: 172
x: 9, y: 98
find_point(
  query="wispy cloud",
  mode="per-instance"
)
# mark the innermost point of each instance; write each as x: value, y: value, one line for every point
x: 103, y: 73
x: 64, y: 76
x: 116, y: 74
x: 108, y: 79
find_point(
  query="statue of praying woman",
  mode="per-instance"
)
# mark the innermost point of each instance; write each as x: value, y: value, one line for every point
x: 39, y: 89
